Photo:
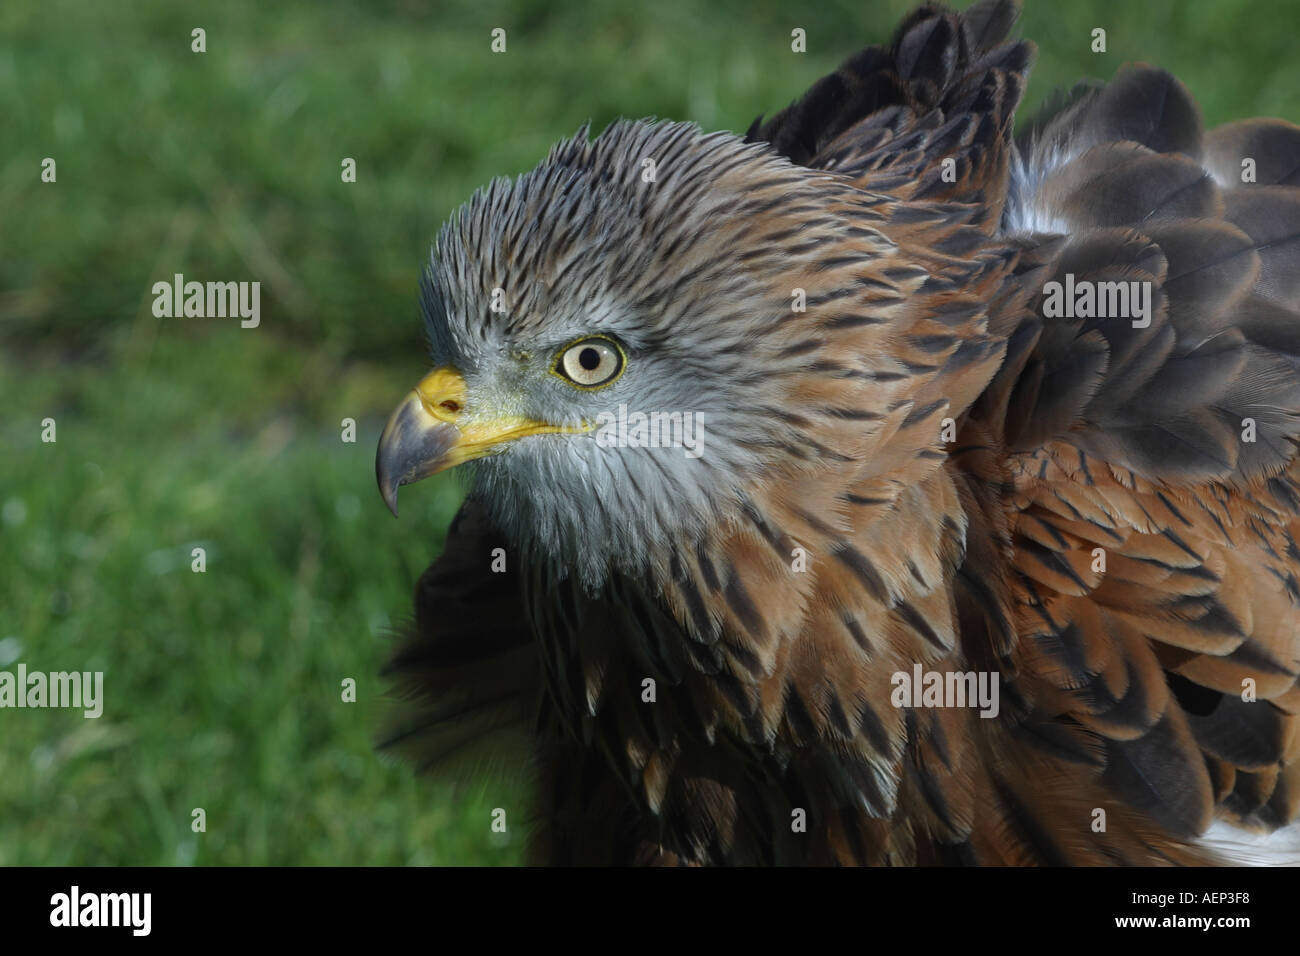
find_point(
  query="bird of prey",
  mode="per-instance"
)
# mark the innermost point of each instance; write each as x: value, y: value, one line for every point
x: 986, y: 550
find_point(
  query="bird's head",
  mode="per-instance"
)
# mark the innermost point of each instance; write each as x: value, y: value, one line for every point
x: 623, y: 344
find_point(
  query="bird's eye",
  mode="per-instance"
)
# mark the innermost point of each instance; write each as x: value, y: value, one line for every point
x: 591, y: 362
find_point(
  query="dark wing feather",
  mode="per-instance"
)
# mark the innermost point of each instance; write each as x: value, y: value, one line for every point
x: 1151, y: 464
x: 946, y: 88
x: 466, y: 668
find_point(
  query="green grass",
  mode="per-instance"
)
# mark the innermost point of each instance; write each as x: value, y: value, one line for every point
x: 223, y: 688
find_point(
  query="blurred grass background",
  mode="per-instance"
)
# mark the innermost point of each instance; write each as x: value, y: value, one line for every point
x: 223, y: 688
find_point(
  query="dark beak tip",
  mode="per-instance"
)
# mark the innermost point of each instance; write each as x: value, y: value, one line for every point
x: 412, y: 447
x: 387, y: 486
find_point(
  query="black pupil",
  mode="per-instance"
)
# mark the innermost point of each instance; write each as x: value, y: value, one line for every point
x: 589, y: 359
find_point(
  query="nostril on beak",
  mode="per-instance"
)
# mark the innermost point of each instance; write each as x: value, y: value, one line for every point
x: 443, y: 407
x: 442, y: 392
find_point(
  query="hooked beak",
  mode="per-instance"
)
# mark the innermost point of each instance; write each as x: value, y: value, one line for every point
x: 431, y: 432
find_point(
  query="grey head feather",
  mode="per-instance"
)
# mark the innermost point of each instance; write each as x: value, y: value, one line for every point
x: 668, y: 266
